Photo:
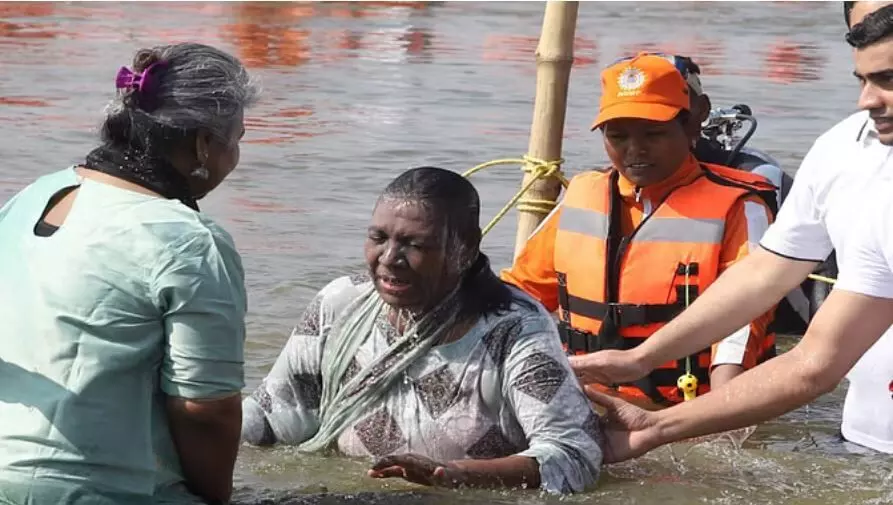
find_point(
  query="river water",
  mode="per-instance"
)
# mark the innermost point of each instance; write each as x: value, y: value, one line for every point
x: 357, y: 92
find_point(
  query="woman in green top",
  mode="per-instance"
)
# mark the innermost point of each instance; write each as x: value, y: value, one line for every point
x: 121, y: 352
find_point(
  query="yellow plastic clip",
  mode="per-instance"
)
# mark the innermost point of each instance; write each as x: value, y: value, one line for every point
x: 688, y: 383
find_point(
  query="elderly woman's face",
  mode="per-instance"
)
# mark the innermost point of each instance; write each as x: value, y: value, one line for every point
x: 406, y: 255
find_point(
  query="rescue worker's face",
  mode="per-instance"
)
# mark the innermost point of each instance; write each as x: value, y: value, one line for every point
x: 406, y: 255
x: 646, y: 152
x: 874, y: 70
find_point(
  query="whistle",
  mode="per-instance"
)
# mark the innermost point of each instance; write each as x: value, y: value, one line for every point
x: 688, y: 383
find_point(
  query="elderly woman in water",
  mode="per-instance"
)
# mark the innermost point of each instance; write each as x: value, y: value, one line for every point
x: 123, y: 306
x: 431, y: 365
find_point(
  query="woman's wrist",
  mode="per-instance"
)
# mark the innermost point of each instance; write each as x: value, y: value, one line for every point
x: 464, y: 471
x: 511, y: 471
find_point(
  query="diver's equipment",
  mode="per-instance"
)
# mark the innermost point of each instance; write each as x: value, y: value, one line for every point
x: 722, y: 124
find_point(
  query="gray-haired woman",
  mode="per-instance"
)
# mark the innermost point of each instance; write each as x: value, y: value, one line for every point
x: 123, y: 307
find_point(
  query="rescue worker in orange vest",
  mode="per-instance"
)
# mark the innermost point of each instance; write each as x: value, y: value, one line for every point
x: 629, y: 248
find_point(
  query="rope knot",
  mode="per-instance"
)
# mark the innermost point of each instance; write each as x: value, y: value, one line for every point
x: 540, y: 169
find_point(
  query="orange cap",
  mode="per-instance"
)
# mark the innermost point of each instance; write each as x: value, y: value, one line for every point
x: 645, y: 87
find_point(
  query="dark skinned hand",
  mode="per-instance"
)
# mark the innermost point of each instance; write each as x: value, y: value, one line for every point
x: 417, y: 469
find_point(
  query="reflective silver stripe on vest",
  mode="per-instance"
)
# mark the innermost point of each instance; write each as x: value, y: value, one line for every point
x: 657, y: 229
x: 675, y: 229
x: 584, y: 221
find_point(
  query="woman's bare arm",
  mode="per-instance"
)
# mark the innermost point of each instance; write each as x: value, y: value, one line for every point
x: 206, y: 435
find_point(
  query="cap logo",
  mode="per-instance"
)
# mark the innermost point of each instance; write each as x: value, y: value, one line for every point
x: 630, y: 81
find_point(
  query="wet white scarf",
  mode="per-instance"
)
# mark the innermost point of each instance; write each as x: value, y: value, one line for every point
x: 343, y: 404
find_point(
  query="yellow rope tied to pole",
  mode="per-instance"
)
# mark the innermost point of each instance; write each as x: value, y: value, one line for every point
x: 540, y: 169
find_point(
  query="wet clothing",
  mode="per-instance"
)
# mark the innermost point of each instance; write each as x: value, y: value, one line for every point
x: 868, y: 269
x: 504, y: 388
x: 133, y: 298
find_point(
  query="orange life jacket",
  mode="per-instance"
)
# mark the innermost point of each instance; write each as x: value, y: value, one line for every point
x: 756, y: 184
x: 616, y: 291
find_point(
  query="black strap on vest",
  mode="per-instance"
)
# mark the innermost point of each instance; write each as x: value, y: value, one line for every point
x: 614, y: 241
x: 624, y: 315
x: 609, y: 337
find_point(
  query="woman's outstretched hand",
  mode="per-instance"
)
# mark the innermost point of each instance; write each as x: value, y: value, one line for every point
x: 418, y: 469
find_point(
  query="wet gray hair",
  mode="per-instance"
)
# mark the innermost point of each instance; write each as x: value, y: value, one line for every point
x: 200, y: 88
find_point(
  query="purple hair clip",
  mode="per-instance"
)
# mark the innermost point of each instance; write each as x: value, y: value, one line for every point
x: 145, y: 83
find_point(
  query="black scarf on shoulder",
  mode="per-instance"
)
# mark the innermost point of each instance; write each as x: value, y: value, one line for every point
x: 154, y: 174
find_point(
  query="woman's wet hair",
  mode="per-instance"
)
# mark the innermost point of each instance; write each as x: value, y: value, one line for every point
x: 875, y: 27
x: 456, y: 204
x: 199, y: 88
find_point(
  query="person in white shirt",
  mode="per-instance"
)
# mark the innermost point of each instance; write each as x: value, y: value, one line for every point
x: 865, y: 288
x: 828, y: 197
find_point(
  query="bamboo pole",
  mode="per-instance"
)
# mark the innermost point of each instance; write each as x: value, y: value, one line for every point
x: 554, y: 58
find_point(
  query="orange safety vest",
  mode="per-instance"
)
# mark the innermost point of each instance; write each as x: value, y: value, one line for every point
x: 616, y: 291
